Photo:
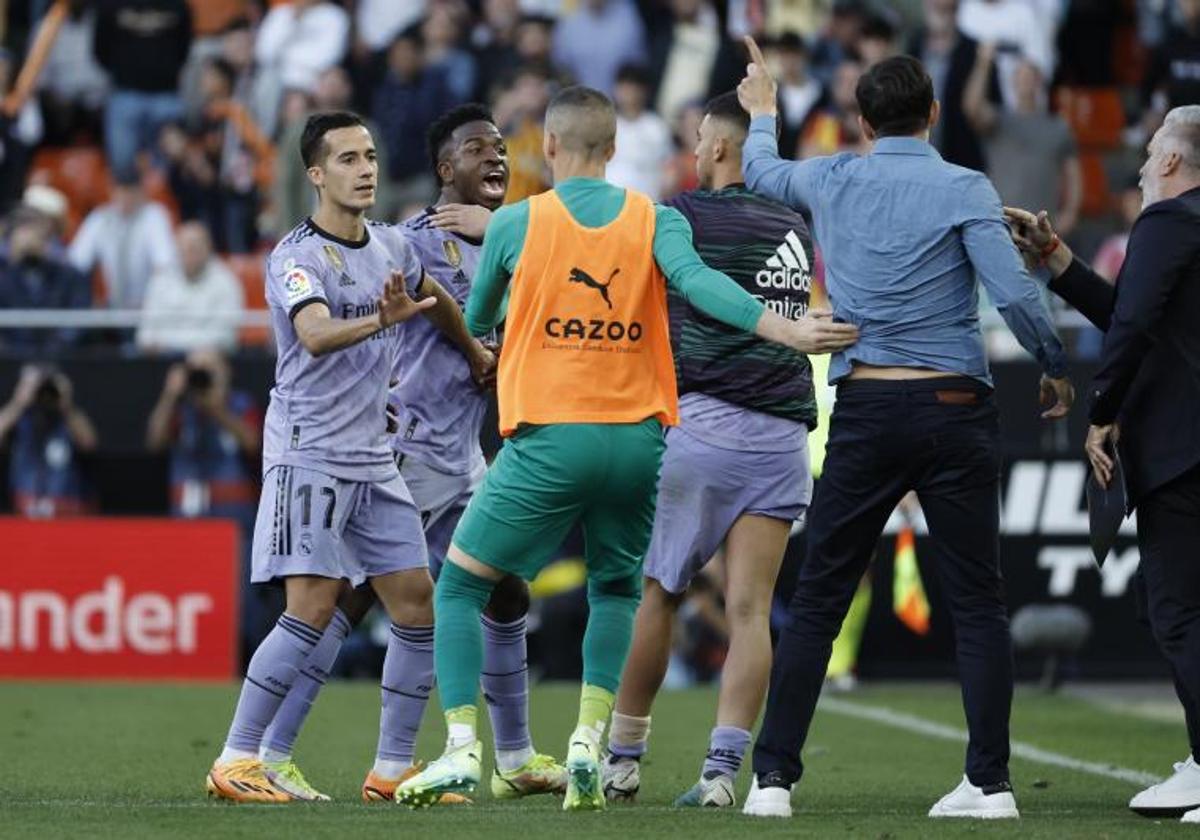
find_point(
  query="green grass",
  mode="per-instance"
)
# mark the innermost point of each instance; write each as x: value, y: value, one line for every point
x: 121, y: 760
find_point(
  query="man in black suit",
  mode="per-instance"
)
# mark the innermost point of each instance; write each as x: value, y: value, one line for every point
x: 949, y: 56
x: 1145, y: 401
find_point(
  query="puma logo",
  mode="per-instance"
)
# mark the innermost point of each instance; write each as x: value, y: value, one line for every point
x: 578, y: 275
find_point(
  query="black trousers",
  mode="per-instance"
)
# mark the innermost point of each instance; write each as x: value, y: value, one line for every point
x: 939, y: 437
x: 1169, y: 582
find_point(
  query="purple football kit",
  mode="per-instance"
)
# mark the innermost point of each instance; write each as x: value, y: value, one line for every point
x: 441, y: 410
x: 333, y: 503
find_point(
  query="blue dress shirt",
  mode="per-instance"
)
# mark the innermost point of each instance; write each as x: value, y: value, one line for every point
x: 904, y: 236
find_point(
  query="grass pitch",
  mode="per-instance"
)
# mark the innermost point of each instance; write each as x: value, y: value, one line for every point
x: 124, y: 760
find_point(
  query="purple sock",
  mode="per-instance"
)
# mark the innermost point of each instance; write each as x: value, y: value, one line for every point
x: 281, y: 735
x: 269, y: 678
x: 726, y: 747
x: 407, y: 681
x: 505, y: 682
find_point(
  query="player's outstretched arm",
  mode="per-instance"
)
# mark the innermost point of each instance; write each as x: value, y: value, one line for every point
x: 714, y: 294
x: 321, y: 333
x: 447, y: 317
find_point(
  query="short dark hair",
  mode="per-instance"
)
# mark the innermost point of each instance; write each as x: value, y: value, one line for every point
x: 895, y: 96
x: 633, y: 74
x: 444, y: 126
x: 726, y: 107
x: 313, y: 147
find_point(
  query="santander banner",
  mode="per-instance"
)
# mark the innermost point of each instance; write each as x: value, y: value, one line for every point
x: 118, y: 598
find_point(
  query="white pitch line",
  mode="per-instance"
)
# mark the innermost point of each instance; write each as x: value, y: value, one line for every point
x: 911, y: 723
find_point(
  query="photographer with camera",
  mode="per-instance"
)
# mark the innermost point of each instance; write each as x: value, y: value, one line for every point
x: 213, y: 435
x: 49, y: 435
x: 33, y: 276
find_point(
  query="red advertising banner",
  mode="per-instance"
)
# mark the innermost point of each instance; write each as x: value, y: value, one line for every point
x: 118, y: 598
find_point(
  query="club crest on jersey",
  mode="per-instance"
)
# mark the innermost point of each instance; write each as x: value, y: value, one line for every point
x: 453, y: 252
x: 334, y: 257
x: 297, y: 284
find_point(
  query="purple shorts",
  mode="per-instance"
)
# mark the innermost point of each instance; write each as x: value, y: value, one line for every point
x: 702, y: 491
x: 310, y: 523
x: 441, y: 498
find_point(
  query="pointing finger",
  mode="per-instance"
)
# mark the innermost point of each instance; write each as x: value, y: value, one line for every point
x: 756, y: 54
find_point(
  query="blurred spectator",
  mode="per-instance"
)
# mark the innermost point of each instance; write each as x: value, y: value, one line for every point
x: 442, y: 34
x: 681, y: 171
x: 143, y: 44
x: 1031, y: 154
x: 493, y: 41
x: 1111, y: 254
x: 220, y: 177
x: 296, y: 42
x: 801, y: 97
x: 72, y: 85
x: 293, y: 195
x: 839, y: 40
x: 1173, y: 77
x: 879, y: 36
x: 835, y: 128
x: 50, y: 435
x: 644, y: 144
x: 378, y: 22
x: 520, y: 113
x: 594, y: 41
x: 1018, y: 33
x: 52, y: 205
x: 683, y: 52
x: 130, y: 239
x: 32, y: 276
x: 197, y: 304
x: 20, y: 137
x: 949, y: 56
x: 212, y: 433
x: 408, y: 99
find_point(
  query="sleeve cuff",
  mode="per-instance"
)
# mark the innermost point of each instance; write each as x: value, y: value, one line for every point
x: 764, y: 123
x: 296, y: 309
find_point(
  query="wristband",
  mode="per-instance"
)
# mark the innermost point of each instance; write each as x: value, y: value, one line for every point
x: 1046, y: 252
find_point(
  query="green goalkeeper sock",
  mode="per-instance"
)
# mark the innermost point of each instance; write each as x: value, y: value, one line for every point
x: 459, y: 600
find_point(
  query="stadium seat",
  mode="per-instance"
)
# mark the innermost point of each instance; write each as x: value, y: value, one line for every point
x: 1097, y: 198
x: 249, y: 270
x: 1096, y: 116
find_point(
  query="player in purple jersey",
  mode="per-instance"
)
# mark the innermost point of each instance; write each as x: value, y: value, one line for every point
x: 735, y: 472
x: 334, y: 510
x: 438, y: 411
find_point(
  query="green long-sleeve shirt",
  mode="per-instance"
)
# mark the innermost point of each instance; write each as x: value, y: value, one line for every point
x: 595, y: 203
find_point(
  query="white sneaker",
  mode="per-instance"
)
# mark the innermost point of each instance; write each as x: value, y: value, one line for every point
x: 1192, y: 816
x: 622, y: 777
x: 992, y: 803
x: 768, y: 801
x: 1173, y: 797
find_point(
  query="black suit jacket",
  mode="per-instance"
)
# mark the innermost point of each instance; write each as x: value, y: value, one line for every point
x: 1149, y: 376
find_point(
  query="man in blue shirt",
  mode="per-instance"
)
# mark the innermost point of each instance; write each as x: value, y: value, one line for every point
x: 904, y: 235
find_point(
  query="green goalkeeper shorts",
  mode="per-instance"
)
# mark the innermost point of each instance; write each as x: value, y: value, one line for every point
x: 547, y: 478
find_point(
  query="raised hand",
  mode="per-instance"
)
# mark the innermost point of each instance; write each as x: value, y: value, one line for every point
x: 396, y: 306
x: 756, y: 92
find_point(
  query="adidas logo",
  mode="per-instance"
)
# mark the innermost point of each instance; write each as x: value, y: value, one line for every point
x: 788, y: 267
x: 345, y: 280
